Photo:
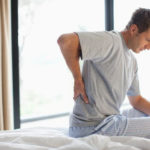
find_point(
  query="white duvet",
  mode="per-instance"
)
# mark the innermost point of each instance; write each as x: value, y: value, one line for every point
x: 50, y: 139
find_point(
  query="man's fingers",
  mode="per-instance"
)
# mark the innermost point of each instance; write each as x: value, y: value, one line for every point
x: 76, y: 95
x: 85, y: 98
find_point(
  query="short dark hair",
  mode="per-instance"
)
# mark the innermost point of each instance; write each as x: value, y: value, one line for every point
x: 141, y: 17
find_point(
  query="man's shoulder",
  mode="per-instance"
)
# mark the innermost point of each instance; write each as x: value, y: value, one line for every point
x: 96, y: 35
x: 112, y: 32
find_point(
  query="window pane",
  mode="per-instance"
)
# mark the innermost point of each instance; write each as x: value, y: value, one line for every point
x: 46, y: 84
x: 123, y: 10
x: 122, y: 13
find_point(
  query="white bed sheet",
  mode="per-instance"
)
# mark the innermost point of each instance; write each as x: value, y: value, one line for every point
x: 53, y: 139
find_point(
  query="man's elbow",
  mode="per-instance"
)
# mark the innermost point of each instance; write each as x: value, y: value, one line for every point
x: 134, y: 100
x: 64, y: 41
x: 67, y: 39
x: 61, y: 40
x: 69, y: 43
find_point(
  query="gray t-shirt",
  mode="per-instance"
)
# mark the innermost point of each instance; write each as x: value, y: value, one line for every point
x: 109, y: 73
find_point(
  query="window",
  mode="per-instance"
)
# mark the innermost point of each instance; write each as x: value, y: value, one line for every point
x: 46, y: 84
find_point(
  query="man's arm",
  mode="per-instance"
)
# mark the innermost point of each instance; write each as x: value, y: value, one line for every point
x: 140, y: 103
x: 70, y: 48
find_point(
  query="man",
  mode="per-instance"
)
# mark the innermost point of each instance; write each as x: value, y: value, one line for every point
x: 109, y: 73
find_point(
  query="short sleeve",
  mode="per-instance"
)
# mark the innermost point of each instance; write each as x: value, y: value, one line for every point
x: 134, y: 89
x: 95, y: 45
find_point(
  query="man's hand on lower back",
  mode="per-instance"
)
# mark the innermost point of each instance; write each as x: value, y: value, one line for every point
x: 79, y: 89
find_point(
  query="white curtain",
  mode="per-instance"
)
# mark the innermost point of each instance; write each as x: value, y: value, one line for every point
x: 6, y: 114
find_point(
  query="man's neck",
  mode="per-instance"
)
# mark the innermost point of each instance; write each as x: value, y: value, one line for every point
x: 126, y: 36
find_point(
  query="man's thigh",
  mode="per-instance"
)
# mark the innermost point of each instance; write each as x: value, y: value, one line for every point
x: 120, y: 125
x: 138, y: 126
x: 132, y: 113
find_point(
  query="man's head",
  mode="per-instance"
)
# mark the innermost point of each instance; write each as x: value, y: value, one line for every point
x: 141, y: 18
x: 138, y: 30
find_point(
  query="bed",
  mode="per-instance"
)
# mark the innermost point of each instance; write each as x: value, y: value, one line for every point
x: 57, y: 139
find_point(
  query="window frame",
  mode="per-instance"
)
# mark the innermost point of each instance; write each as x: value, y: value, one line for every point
x: 15, y: 63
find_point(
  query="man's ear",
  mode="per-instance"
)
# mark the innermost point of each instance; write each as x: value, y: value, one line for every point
x: 133, y: 29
